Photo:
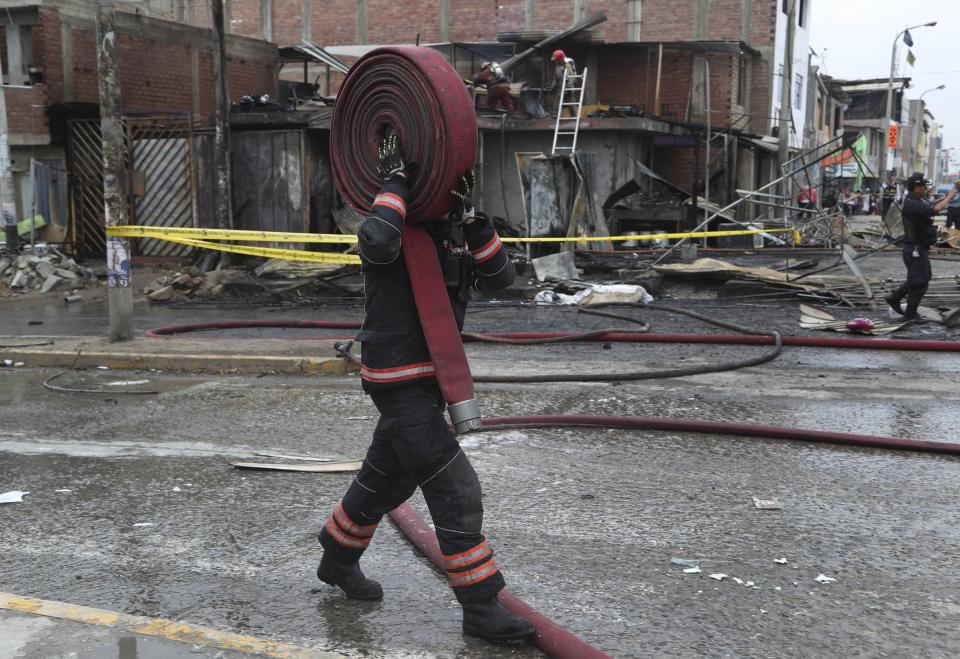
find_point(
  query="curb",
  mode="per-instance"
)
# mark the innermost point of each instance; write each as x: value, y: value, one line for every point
x: 199, y: 363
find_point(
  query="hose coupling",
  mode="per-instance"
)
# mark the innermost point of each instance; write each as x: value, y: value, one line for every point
x: 465, y: 416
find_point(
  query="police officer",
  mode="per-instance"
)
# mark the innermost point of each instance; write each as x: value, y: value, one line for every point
x: 413, y: 446
x: 919, y: 235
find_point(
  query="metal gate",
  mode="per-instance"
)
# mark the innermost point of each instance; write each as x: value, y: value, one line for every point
x: 85, y: 162
x: 160, y: 180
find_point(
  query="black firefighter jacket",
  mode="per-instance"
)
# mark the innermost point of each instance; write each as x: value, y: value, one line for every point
x: 393, y: 348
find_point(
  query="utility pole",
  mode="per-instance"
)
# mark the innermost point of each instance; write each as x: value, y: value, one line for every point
x: 221, y: 145
x: 120, y: 292
x: 8, y: 206
x: 786, y: 107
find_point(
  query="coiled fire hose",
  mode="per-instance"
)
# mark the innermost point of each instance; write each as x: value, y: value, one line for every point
x: 415, y: 94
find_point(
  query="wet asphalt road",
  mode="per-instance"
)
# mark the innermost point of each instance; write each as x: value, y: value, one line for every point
x: 585, y: 521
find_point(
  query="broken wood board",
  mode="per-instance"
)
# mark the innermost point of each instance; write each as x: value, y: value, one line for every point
x: 718, y: 269
x: 328, y: 468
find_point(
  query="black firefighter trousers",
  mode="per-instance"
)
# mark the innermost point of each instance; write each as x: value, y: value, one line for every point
x: 413, y: 446
x: 919, y: 274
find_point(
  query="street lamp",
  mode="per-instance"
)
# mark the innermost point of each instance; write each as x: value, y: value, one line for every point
x: 935, y: 89
x: 893, y: 64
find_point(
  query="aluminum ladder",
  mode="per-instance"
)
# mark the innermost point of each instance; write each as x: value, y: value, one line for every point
x: 564, y: 131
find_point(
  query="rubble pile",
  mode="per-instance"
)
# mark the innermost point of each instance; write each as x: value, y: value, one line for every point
x: 191, y: 283
x: 52, y: 270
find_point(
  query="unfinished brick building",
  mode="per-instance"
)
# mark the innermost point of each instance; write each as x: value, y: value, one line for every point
x: 50, y: 79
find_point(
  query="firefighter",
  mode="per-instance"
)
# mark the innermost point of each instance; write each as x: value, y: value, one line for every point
x: 497, y: 84
x: 413, y: 446
x: 919, y: 235
x: 562, y: 65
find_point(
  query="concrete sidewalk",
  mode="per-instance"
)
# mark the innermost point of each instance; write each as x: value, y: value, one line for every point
x: 210, y: 355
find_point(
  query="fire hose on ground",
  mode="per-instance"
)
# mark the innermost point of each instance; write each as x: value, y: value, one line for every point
x: 551, y: 638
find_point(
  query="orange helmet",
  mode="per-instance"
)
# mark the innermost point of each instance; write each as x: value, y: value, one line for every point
x: 559, y: 55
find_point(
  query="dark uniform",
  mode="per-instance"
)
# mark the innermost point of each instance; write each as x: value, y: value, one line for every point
x: 919, y: 235
x: 887, y: 196
x: 413, y: 446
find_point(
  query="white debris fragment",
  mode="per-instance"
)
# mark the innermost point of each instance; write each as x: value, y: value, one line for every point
x: 18, y: 363
x: 8, y: 362
x: 739, y: 581
x: 767, y: 504
x: 127, y: 383
x: 692, y: 570
x: 359, y: 418
x: 144, y: 524
x: 719, y: 576
x: 176, y: 489
x: 103, y: 368
x: 781, y: 561
x: 14, y: 496
x: 777, y: 588
x: 63, y: 490
x: 749, y: 583
x: 822, y: 578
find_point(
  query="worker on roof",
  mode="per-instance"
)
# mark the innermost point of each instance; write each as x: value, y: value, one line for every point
x: 562, y: 66
x: 497, y: 84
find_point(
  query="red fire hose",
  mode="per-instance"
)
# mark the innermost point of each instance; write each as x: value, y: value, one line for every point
x: 414, y: 93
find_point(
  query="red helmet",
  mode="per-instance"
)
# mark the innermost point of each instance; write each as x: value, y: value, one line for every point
x: 558, y: 54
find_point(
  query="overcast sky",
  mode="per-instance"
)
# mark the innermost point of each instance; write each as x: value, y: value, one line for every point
x: 854, y: 40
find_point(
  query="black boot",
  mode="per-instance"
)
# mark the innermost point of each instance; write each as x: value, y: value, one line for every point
x: 894, y: 301
x: 910, y: 313
x: 491, y: 620
x: 349, y: 578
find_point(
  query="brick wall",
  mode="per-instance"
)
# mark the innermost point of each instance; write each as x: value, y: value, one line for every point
x: 334, y: 22
x: 26, y: 110
x: 156, y: 74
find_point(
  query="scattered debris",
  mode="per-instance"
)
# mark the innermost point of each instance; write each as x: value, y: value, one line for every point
x: 686, y: 562
x: 588, y: 294
x: 814, y: 318
x: 767, y: 504
x: 14, y: 496
x: 781, y: 561
x: 333, y: 467
x: 309, y: 458
x: 822, y: 578
x: 141, y: 524
x: 176, y: 488
x: 692, y: 570
x: 63, y: 490
x: 738, y: 580
x: 45, y: 271
x: 359, y: 418
x: 555, y: 266
x: 719, y: 576
x: 126, y: 383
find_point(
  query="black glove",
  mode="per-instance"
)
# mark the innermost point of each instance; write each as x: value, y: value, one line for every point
x: 463, y: 205
x: 391, y: 158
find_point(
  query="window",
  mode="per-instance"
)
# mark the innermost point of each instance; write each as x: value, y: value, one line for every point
x: 634, y: 19
x: 802, y: 13
x: 742, y: 81
x: 798, y: 92
x: 786, y: 8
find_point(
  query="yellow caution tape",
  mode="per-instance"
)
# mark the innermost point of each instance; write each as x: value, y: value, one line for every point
x: 167, y: 233
x: 202, y: 238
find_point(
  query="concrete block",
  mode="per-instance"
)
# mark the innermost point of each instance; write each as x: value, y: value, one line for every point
x: 45, y: 269
x: 162, y: 294
x: 20, y: 279
x: 66, y: 274
x: 50, y: 283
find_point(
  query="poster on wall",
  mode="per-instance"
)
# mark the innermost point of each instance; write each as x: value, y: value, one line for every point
x: 118, y: 263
